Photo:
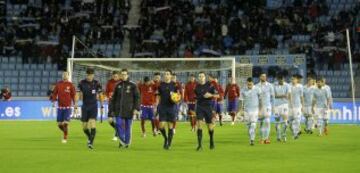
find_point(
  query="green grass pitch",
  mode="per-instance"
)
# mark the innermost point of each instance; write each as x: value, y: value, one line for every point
x: 34, y: 146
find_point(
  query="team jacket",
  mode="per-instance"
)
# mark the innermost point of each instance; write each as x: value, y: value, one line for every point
x: 125, y: 99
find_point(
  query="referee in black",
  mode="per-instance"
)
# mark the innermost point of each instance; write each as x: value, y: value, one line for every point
x: 90, y: 92
x: 205, y: 92
x: 167, y: 108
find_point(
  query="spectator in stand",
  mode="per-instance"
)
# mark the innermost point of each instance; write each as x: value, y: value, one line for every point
x: 5, y: 94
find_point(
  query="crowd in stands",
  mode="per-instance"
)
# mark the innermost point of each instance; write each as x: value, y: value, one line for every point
x: 186, y: 28
x: 41, y: 31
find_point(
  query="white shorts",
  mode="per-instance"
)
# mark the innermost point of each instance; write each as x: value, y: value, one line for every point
x: 281, y: 110
x: 322, y: 113
x: 251, y: 117
x: 265, y: 112
x: 308, y: 111
x: 295, y: 112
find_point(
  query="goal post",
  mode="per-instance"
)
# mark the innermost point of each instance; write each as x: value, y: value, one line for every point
x: 140, y: 67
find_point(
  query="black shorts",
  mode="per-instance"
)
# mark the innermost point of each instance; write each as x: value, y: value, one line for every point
x: 167, y: 113
x: 89, y: 112
x: 110, y: 110
x: 204, y: 113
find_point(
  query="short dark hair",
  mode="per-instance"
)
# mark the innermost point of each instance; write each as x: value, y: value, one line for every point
x: 250, y: 79
x: 157, y: 74
x: 146, y: 79
x: 90, y: 71
x: 191, y: 75
x: 115, y: 72
x: 280, y: 76
x: 124, y: 70
x: 168, y: 70
x: 320, y: 78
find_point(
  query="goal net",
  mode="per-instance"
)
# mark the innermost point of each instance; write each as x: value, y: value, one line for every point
x: 138, y: 68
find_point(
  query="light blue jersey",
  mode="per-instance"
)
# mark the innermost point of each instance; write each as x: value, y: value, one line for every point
x: 297, y: 93
x: 281, y: 90
x: 321, y: 97
x: 308, y: 95
x: 251, y: 98
x: 267, y: 94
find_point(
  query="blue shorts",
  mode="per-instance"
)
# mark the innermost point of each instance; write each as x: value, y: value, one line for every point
x: 63, y: 114
x: 232, y: 106
x: 191, y: 107
x: 204, y: 113
x: 89, y: 112
x: 167, y: 113
x: 147, y: 113
x: 213, y: 104
x: 219, y: 108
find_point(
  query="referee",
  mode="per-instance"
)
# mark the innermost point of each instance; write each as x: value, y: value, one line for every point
x: 205, y: 92
x: 90, y: 91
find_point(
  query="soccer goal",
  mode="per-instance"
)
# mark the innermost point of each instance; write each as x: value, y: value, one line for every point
x: 222, y: 67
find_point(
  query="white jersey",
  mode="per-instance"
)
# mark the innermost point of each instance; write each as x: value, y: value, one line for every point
x: 296, y: 93
x: 251, y: 99
x: 321, y: 97
x: 308, y: 95
x: 267, y: 94
x: 281, y: 90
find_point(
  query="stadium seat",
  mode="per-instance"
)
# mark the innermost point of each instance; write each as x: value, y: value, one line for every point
x: 40, y: 67
x: 21, y: 87
x: 22, y: 73
x: 22, y: 80
x: 36, y: 87
x: 26, y: 66
x: 48, y: 67
x: 43, y: 93
x: 37, y: 80
x: 2, y: 73
x: 33, y: 66
x: 53, y: 73
x: 29, y: 81
x: 30, y: 73
x: 13, y: 87
x: 4, y: 66
x: 15, y: 73
x: 14, y: 80
x: 19, y: 66
x: 36, y: 94
x: 37, y: 73
x: 21, y: 93
x: 45, y: 73
x: 28, y: 93
x: 7, y: 73
x: 44, y: 87
x: 29, y: 87
x: 45, y: 80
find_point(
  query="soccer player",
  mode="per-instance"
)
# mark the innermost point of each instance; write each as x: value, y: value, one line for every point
x: 328, y: 89
x: 64, y: 92
x: 178, y: 85
x: 321, y: 105
x: 189, y: 98
x: 267, y: 98
x: 148, y: 98
x: 308, y: 99
x: 296, y: 102
x: 90, y: 91
x: 251, y: 106
x: 156, y: 81
x: 205, y: 92
x: 109, y: 92
x: 281, y: 107
x: 126, y: 104
x: 219, y: 105
x: 167, y: 108
x: 232, y: 92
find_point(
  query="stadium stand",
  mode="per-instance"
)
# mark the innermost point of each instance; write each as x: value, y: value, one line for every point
x: 36, y: 35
